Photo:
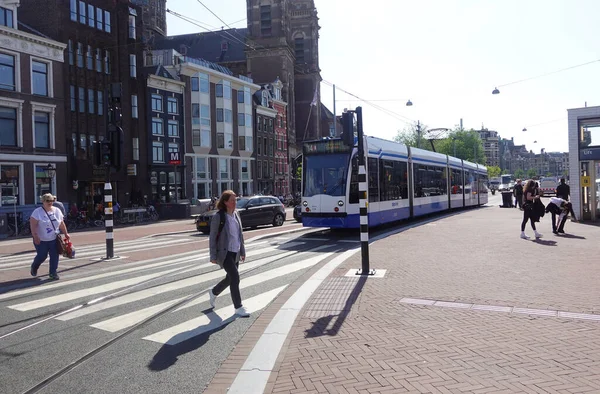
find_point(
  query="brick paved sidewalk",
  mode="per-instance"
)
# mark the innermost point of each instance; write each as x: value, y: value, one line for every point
x: 531, y: 328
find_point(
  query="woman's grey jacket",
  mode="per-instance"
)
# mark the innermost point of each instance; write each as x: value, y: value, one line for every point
x: 218, y: 248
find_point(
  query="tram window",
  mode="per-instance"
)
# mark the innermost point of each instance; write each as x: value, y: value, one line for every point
x: 353, y: 194
x: 456, y: 185
x: 430, y: 181
x: 483, y: 181
x: 393, y: 180
x: 373, y: 180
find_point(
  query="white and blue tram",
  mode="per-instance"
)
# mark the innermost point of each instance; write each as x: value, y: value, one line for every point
x: 403, y: 182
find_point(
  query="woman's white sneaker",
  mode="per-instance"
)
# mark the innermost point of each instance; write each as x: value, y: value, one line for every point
x: 211, y: 298
x: 538, y: 235
x: 242, y: 312
x: 523, y: 235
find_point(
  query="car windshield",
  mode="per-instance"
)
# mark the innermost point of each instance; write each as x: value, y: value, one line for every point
x: 325, y: 174
x: 242, y: 202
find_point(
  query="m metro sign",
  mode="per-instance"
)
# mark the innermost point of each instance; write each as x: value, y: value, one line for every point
x: 174, y: 159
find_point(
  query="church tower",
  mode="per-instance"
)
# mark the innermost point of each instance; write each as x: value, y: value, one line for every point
x: 154, y: 14
x: 304, y: 25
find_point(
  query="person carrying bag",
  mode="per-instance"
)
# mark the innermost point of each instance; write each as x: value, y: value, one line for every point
x: 46, y: 223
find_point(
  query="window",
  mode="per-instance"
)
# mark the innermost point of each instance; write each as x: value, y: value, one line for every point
x: 241, y: 119
x: 173, y: 128
x: 259, y: 168
x: 248, y: 120
x: 265, y: 20
x: 429, y: 181
x: 99, y: 18
x: 204, y: 83
x: 157, y: 126
x: 100, y: 103
x: 132, y: 26
x: 7, y: 189
x: 74, y: 10
x: 72, y: 97
x: 99, y: 60
x: 43, y: 184
x: 91, y: 21
x: 393, y: 180
x: 195, y: 84
x: 132, y: 66
x: 259, y: 146
x: 224, y: 168
x: 220, y: 140
x: 7, y: 72
x: 245, y: 170
x: 240, y: 95
x: 8, y: 126
x: 249, y: 142
x: 136, y: 148
x: 172, y: 105
x: 79, y: 54
x: 219, y: 114
x: 70, y: 52
x: 205, y: 115
x: 247, y: 98
x: 107, y: 21
x: 91, y: 103
x: 205, y: 138
x: 228, y: 116
x: 158, y: 152
x: 227, y: 90
x: 229, y: 140
x: 195, y: 113
x: 6, y: 17
x: 195, y: 137
x: 134, y: 106
x: 90, y: 58
x: 299, y: 49
x: 42, y: 130
x: 201, y: 168
x: 107, y: 62
x: 82, y: 12
x: 173, y: 148
x: 219, y: 90
x: 81, y: 100
x: 157, y: 103
x: 241, y: 143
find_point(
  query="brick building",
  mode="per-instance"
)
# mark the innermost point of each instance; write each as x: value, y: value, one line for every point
x: 104, y: 46
x: 32, y: 132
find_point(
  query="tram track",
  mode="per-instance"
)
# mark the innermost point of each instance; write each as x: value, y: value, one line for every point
x: 72, y: 365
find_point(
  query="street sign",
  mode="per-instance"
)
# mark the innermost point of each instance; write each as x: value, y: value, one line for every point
x: 174, y: 159
x: 586, y: 181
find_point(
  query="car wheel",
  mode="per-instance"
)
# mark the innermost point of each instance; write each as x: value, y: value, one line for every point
x: 204, y: 231
x: 278, y: 220
x: 299, y: 220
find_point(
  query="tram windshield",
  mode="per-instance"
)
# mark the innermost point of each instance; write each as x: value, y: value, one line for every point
x: 325, y: 174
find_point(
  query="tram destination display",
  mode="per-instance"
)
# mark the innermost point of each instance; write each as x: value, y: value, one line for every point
x: 326, y: 146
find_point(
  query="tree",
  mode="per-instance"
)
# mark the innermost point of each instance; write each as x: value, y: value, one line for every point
x: 531, y: 173
x: 494, y: 171
x: 410, y: 136
x: 466, y: 143
x: 519, y: 174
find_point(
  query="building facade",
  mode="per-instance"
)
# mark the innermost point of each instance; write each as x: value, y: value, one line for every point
x: 33, y: 152
x: 167, y: 135
x: 220, y: 150
x: 103, y: 47
x: 491, y: 146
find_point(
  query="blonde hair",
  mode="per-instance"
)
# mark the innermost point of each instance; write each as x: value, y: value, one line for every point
x: 227, y: 194
x: 48, y: 196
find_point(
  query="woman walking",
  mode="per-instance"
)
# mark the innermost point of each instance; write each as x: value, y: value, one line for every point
x: 227, y: 249
x: 46, y: 222
x: 530, y: 195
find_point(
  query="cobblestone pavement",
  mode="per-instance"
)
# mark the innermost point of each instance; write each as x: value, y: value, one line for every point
x: 465, y: 306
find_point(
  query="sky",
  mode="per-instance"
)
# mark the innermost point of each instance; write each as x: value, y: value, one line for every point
x: 447, y: 56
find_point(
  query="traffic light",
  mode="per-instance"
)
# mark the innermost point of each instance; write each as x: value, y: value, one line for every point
x: 106, y: 153
x: 116, y: 139
x: 348, y: 128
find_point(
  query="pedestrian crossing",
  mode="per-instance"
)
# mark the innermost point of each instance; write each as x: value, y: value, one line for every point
x: 99, y: 250
x: 127, y: 297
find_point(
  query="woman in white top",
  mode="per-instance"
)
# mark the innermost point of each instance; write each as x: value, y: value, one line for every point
x: 46, y: 223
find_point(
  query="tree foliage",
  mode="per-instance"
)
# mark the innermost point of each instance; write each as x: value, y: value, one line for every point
x: 494, y: 171
x: 410, y: 136
x: 531, y: 173
x: 519, y: 174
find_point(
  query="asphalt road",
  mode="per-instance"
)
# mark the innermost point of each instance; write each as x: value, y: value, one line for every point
x: 178, y: 351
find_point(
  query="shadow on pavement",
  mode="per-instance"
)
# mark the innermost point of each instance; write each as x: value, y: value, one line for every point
x: 319, y: 327
x: 168, y: 355
x: 5, y: 287
x: 571, y: 236
x: 544, y: 242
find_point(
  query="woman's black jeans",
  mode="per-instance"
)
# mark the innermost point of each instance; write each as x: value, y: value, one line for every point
x: 232, y: 279
x: 527, y: 212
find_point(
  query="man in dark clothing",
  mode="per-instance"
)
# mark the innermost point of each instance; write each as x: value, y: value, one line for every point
x: 518, y: 192
x: 564, y: 191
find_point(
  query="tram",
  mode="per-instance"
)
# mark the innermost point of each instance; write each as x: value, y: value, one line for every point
x: 403, y: 182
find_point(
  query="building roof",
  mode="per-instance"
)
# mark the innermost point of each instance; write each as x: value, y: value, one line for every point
x: 160, y: 71
x: 218, y: 46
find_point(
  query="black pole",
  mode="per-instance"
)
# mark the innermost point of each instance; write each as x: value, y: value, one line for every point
x: 363, y: 201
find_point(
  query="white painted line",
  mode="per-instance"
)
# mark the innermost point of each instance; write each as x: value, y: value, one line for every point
x: 445, y: 304
x: 47, y: 301
x: 378, y: 274
x: 212, y: 320
x: 417, y: 301
x: 256, y: 370
x: 492, y: 308
x: 584, y: 316
x: 538, y: 312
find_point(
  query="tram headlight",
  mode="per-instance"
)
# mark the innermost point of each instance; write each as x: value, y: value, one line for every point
x: 305, y: 203
x: 336, y: 209
x: 341, y: 203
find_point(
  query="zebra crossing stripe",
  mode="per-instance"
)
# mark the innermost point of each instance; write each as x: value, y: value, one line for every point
x: 212, y: 320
